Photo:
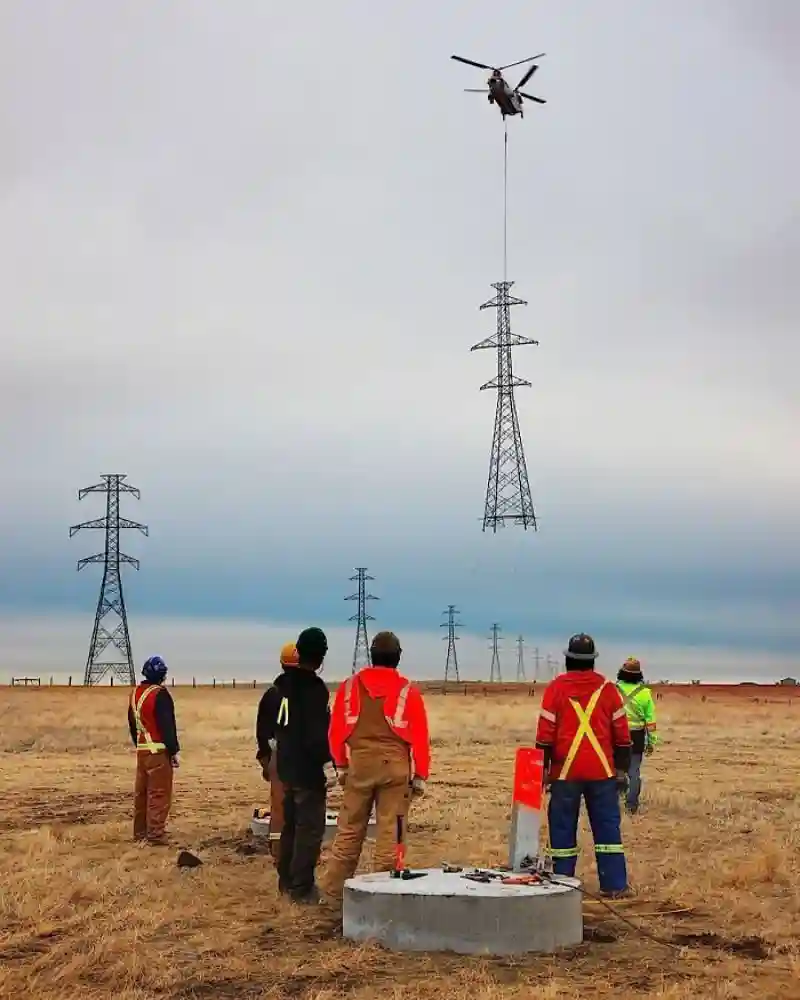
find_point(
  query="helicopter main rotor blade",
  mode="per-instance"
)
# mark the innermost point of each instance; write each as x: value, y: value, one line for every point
x: 528, y: 74
x: 471, y: 62
x: 519, y: 62
x: 530, y: 97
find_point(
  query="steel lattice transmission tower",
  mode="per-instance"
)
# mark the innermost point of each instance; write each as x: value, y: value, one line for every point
x: 520, y: 659
x: 508, y: 492
x: 495, y: 647
x: 361, y: 656
x: 451, y: 625
x: 111, y: 601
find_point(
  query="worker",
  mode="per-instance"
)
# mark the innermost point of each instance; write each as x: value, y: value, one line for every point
x: 302, y: 753
x: 266, y: 721
x: 641, y: 710
x: 151, y: 720
x: 381, y: 750
x: 583, y: 731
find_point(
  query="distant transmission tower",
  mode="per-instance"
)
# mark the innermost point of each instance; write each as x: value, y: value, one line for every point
x: 495, y: 670
x: 520, y: 659
x: 508, y: 492
x: 111, y: 598
x: 452, y: 656
x: 537, y: 659
x: 361, y: 649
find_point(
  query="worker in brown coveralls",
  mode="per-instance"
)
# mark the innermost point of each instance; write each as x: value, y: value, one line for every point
x: 151, y: 720
x: 266, y: 721
x: 381, y: 749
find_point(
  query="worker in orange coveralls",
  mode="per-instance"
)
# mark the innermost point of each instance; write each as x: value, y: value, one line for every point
x: 381, y: 749
x: 266, y: 721
x: 151, y: 720
x: 583, y: 730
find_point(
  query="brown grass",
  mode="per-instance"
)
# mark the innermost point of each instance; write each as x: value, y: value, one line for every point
x: 714, y: 856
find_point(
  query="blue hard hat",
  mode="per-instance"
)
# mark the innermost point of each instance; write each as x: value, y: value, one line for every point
x: 154, y: 670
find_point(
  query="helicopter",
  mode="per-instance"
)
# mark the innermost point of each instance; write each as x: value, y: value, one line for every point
x: 507, y: 99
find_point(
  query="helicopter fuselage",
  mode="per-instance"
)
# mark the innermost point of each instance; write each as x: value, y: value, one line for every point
x: 507, y: 100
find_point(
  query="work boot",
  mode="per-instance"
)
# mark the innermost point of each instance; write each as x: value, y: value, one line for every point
x: 307, y: 897
x: 617, y: 893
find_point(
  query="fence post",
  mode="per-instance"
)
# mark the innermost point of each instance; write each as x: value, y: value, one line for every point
x: 69, y: 682
x: 213, y: 682
x: 234, y: 683
x: 194, y: 682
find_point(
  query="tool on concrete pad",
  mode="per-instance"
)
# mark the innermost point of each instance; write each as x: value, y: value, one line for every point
x: 449, y: 869
x: 400, y: 869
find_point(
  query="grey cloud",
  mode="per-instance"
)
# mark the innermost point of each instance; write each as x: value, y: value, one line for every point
x: 242, y: 258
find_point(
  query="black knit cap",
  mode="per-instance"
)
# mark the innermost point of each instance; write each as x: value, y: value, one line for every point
x: 312, y: 643
x: 581, y: 647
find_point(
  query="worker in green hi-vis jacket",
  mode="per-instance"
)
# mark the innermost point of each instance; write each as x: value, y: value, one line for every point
x: 641, y: 711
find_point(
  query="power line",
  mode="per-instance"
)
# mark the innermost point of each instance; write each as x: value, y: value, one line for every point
x: 451, y: 664
x: 111, y: 600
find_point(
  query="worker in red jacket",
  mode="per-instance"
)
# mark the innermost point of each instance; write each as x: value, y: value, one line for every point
x: 381, y: 749
x: 583, y: 730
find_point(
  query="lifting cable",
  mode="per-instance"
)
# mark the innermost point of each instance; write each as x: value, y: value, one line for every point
x: 505, y: 201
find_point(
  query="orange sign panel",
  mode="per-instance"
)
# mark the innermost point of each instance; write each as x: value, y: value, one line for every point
x: 529, y: 777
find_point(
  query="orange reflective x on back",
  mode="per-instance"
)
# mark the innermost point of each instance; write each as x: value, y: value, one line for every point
x: 144, y: 739
x: 585, y: 731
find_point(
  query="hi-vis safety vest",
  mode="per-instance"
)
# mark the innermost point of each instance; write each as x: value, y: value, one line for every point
x: 144, y: 741
x: 639, y: 707
x: 585, y: 732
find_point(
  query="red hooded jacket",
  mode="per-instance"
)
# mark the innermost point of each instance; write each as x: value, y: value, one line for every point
x: 403, y: 708
x: 566, y: 702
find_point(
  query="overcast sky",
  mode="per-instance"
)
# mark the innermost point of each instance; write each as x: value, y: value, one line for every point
x: 242, y: 250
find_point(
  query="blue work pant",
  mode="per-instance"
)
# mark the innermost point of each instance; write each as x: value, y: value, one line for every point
x: 634, y: 781
x: 602, y: 805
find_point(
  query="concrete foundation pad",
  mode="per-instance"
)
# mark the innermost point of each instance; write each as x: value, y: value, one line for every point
x: 446, y: 912
x: 259, y: 825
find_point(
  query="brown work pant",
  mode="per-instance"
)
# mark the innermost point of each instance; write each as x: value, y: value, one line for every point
x: 383, y: 781
x: 276, y: 793
x: 152, y: 795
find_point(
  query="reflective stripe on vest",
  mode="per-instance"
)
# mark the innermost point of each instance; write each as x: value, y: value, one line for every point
x: 147, y: 743
x: 349, y: 718
x: 627, y: 700
x: 283, y: 712
x: 399, y: 721
x: 585, y: 730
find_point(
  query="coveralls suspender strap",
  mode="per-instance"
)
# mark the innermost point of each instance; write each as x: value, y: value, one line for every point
x: 148, y: 742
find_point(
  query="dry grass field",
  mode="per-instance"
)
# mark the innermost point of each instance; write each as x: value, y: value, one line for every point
x: 714, y: 856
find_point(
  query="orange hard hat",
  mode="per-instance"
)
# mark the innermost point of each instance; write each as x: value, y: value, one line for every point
x: 289, y: 657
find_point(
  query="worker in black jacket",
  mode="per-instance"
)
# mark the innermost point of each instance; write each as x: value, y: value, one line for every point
x: 302, y: 752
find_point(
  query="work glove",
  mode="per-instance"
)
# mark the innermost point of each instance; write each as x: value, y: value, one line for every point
x: 174, y: 761
x: 622, y: 782
x: 331, y: 777
x: 417, y: 787
x: 649, y: 748
x: 342, y: 777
